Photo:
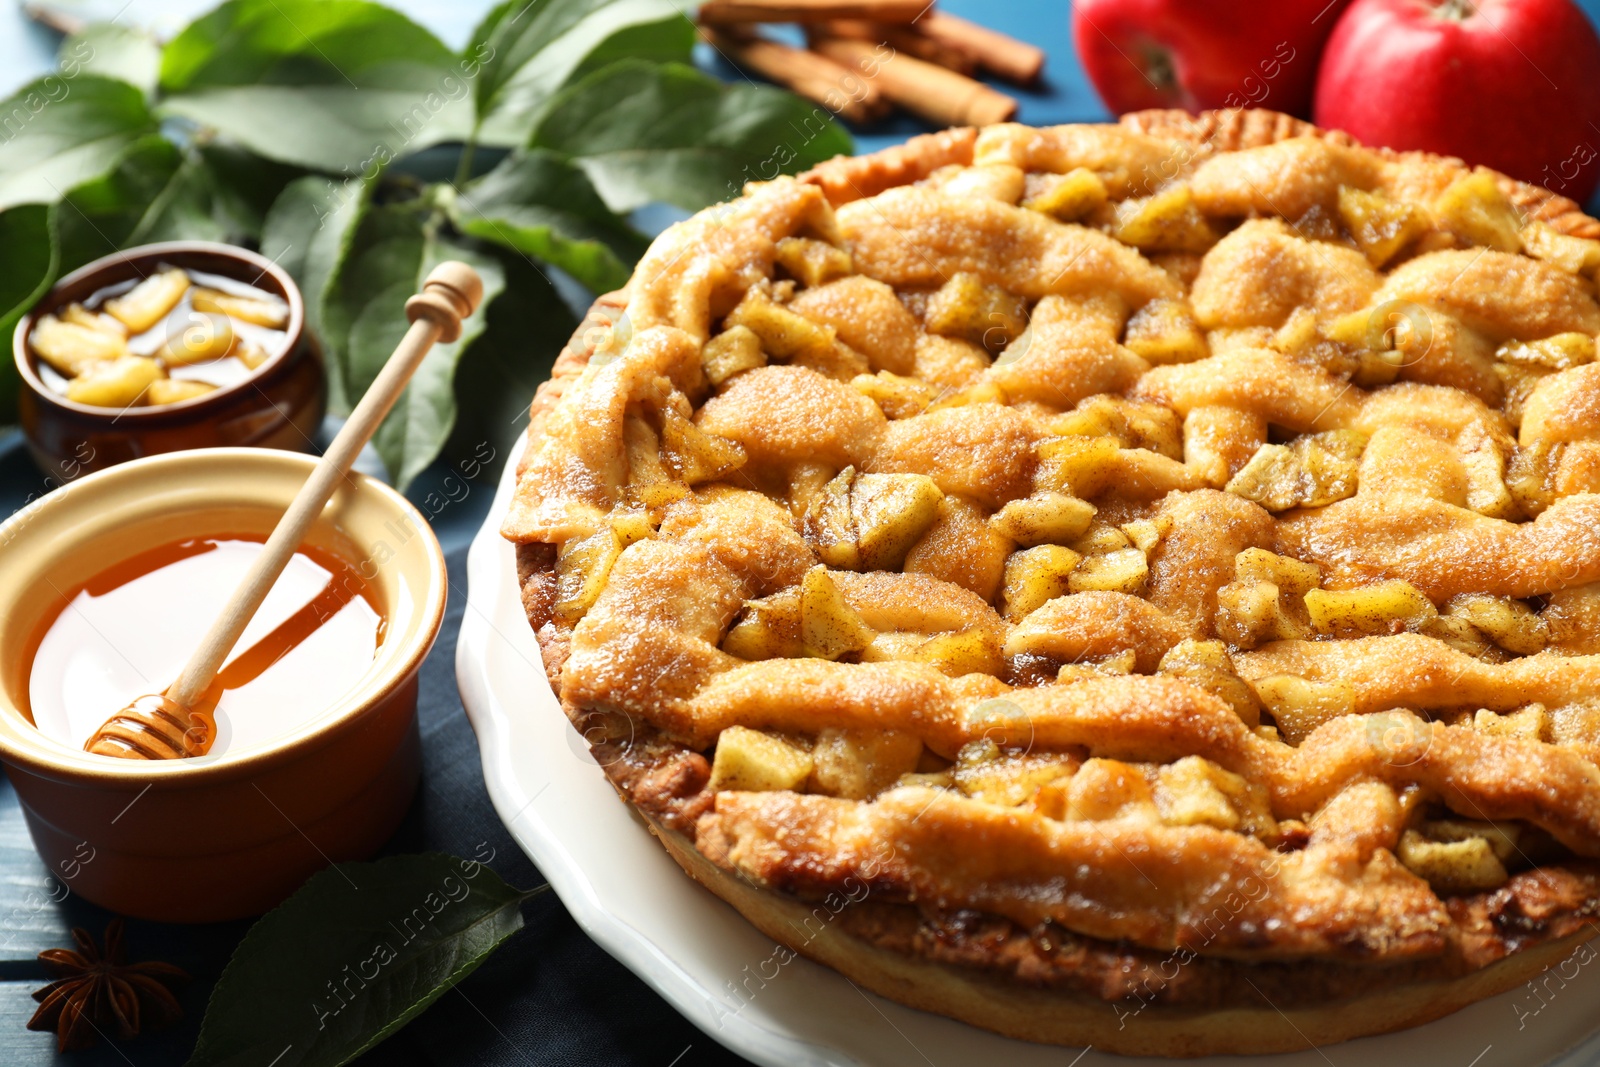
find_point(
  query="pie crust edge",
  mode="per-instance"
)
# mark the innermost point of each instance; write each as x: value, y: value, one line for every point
x: 1058, y: 1017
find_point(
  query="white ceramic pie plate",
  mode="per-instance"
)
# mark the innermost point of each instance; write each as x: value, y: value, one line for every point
x: 727, y: 978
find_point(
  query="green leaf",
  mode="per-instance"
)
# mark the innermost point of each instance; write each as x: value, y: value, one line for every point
x: 183, y: 209
x: 57, y: 132
x: 353, y: 955
x: 364, y: 318
x: 528, y: 327
x: 159, y: 192
x: 112, y: 51
x: 217, y: 193
x: 308, y: 232
x: 100, y: 216
x: 531, y: 48
x: 339, y: 85
x: 539, y: 204
x: 670, y: 40
x: 27, y: 270
x: 645, y: 133
x: 245, y: 186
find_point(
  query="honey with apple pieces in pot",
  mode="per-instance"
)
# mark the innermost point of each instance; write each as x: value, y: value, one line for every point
x: 129, y: 629
x: 175, y: 335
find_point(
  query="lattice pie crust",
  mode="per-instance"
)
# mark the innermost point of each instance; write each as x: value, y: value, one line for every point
x: 1131, y: 585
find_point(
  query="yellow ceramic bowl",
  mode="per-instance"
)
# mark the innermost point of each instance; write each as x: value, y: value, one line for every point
x: 230, y: 835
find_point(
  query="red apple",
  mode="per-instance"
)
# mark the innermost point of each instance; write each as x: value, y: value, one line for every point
x: 1199, y: 54
x: 1511, y: 84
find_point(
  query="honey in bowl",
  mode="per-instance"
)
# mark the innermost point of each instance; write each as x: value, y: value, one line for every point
x: 128, y: 631
x: 172, y: 336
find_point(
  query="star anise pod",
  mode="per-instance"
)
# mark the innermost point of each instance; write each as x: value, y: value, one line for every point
x: 95, y: 993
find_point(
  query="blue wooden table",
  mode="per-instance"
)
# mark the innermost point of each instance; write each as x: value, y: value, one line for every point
x: 549, y: 996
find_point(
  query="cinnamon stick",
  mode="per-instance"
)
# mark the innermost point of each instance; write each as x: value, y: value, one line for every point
x: 1005, y: 57
x: 842, y: 90
x: 938, y: 95
x: 732, y: 12
x: 907, y: 39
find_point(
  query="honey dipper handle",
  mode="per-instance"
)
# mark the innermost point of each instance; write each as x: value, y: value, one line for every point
x: 451, y: 292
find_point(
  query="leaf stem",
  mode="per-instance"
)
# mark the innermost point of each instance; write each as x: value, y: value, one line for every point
x: 464, y: 165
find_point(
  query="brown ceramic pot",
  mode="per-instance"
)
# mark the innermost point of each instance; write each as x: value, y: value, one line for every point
x: 279, y: 405
x: 231, y: 834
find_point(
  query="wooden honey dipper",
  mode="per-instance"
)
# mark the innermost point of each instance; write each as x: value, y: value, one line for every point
x: 162, y: 725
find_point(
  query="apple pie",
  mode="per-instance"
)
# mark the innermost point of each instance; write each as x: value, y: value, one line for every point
x: 1133, y: 585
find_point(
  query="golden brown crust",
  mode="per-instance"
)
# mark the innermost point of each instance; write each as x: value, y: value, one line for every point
x: 1232, y: 129
x: 572, y: 359
x: 990, y: 970
x: 535, y: 560
x: 847, y: 178
x: 1051, y: 987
